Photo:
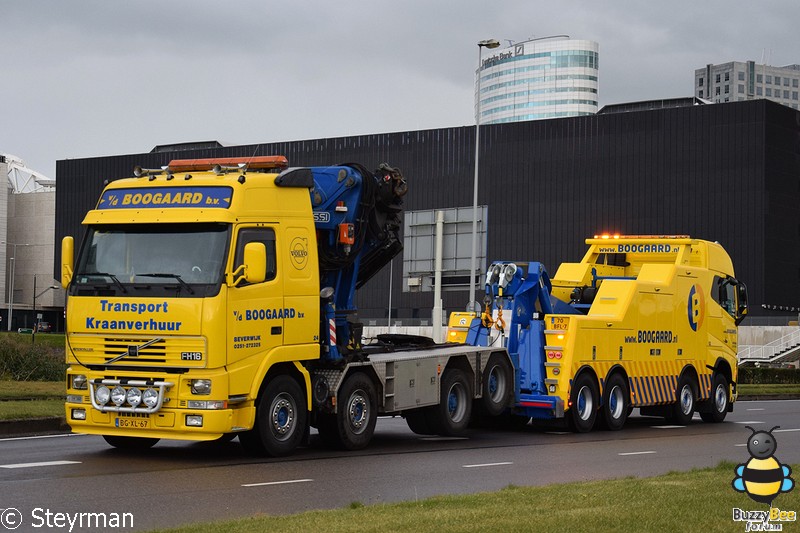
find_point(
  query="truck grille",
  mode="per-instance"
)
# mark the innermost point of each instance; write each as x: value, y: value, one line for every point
x: 169, y: 352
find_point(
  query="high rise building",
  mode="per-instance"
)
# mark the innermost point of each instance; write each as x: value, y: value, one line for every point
x: 540, y: 78
x: 736, y: 81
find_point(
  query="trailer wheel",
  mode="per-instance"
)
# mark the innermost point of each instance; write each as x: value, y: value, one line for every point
x: 352, y: 427
x: 718, y: 403
x: 497, y: 385
x: 451, y: 416
x: 683, y: 409
x: 616, y: 403
x: 130, y: 443
x: 281, y: 417
x: 583, y: 404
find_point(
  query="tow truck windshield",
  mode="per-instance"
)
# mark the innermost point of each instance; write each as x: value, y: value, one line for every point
x: 151, y: 260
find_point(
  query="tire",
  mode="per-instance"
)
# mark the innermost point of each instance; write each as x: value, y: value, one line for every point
x: 717, y: 405
x: 451, y: 416
x: 130, y: 443
x: 584, y: 400
x: 417, y: 421
x: 352, y: 427
x: 281, y: 418
x: 498, y: 386
x: 616, y: 403
x: 685, y: 402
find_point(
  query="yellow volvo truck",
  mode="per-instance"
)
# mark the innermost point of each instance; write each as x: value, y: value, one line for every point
x: 646, y: 322
x: 215, y: 298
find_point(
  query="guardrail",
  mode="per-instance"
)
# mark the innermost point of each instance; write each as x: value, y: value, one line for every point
x: 770, y: 351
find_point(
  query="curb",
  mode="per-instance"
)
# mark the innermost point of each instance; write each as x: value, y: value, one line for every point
x: 33, y: 426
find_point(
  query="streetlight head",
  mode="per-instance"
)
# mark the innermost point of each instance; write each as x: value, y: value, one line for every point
x: 489, y: 43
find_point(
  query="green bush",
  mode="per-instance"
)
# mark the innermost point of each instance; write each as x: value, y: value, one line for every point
x: 759, y: 376
x: 21, y: 360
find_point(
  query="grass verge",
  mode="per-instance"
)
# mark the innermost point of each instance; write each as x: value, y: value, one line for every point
x: 699, y: 500
x: 781, y: 388
x: 21, y: 409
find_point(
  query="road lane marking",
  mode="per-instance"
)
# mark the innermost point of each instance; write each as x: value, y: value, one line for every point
x: 750, y: 422
x: 442, y: 439
x: 46, y: 463
x: 785, y: 430
x: 637, y: 453
x: 757, y: 409
x: 44, y: 437
x: 740, y: 445
x: 487, y: 464
x: 668, y: 427
x: 287, y: 482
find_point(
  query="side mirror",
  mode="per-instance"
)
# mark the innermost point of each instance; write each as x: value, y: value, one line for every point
x: 741, y: 302
x: 255, y: 262
x: 67, y: 260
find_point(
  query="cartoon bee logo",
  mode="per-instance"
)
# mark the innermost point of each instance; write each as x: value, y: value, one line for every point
x: 762, y: 477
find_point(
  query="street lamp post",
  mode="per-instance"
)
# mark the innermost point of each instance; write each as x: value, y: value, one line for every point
x: 11, y: 284
x: 35, y: 318
x: 489, y: 43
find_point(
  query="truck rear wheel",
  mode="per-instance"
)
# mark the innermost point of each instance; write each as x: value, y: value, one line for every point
x: 451, y: 416
x: 616, y: 403
x: 130, y: 443
x: 281, y: 418
x: 583, y: 404
x: 352, y: 427
x: 497, y: 385
x: 717, y: 405
x: 683, y: 409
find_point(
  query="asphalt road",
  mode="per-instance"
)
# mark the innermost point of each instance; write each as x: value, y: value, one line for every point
x: 179, y: 483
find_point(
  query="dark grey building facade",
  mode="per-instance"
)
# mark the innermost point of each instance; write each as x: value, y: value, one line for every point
x: 724, y: 172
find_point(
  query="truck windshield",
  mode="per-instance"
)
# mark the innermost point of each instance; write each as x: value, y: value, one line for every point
x: 149, y: 259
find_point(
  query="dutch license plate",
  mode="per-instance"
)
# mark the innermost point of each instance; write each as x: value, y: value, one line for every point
x: 135, y: 423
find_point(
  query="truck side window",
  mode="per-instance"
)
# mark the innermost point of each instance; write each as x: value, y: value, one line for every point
x: 724, y: 293
x: 262, y: 235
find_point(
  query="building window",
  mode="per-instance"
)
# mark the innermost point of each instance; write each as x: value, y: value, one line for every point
x: 769, y: 91
x: 758, y: 91
x: 727, y: 76
x: 786, y: 94
x: 759, y: 78
x: 727, y: 89
x: 794, y: 83
x: 794, y: 95
x: 700, y: 93
x: 785, y: 82
x: 777, y: 80
x: 740, y: 88
x: 716, y: 90
x: 700, y: 82
x: 717, y: 78
x: 741, y: 76
x: 769, y: 79
x: 727, y: 99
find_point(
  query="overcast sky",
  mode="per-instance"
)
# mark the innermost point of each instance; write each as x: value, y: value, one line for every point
x: 104, y: 77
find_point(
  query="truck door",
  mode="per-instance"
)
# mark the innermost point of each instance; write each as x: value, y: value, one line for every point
x: 256, y: 311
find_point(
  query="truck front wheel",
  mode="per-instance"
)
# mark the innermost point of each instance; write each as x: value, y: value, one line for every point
x: 352, y: 427
x: 130, y: 443
x: 281, y: 418
x: 583, y: 404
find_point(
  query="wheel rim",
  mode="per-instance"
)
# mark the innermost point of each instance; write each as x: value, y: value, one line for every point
x: 721, y: 399
x: 358, y: 411
x: 282, y: 416
x: 497, y: 384
x: 456, y: 402
x: 616, y: 402
x: 585, y: 403
x: 687, y: 400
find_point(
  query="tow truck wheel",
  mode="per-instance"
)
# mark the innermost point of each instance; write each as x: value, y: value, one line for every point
x: 683, y: 409
x: 451, y: 416
x: 130, y: 443
x: 497, y: 385
x: 352, y: 427
x: 718, y: 403
x: 281, y: 418
x: 417, y: 421
x: 583, y: 404
x: 616, y: 402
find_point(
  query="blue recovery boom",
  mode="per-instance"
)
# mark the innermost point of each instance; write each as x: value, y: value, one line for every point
x: 357, y: 214
x: 523, y: 290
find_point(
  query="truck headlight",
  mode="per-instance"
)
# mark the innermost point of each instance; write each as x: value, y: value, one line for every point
x: 150, y: 397
x: 134, y: 396
x: 118, y: 395
x: 201, y: 386
x: 102, y: 395
x: 79, y: 382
